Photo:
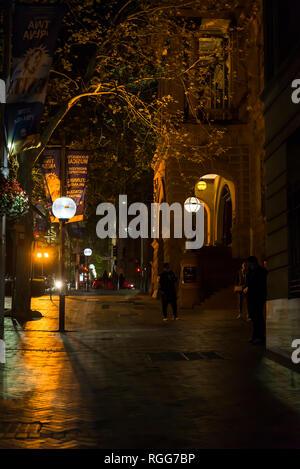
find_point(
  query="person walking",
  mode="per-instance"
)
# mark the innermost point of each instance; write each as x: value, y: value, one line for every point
x: 239, y: 285
x: 167, y: 289
x: 105, y: 279
x: 115, y: 278
x: 256, y: 290
x: 121, y: 280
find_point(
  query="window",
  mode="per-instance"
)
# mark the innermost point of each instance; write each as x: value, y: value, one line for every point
x: 211, y: 94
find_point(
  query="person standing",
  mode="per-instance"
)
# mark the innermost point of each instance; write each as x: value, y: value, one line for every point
x: 239, y: 285
x: 167, y: 289
x: 256, y: 290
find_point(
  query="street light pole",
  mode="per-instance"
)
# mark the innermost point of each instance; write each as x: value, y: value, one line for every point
x: 87, y: 253
x: 62, y: 296
x: 63, y: 209
x: 87, y: 275
x: 6, y: 9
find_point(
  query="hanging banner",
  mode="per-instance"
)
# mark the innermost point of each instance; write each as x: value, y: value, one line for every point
x: 35, y: 31
x: 76, y: 175
x: 50, y: 165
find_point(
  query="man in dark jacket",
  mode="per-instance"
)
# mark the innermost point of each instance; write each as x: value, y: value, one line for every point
x: 167, y: 289
x: 256, y: 289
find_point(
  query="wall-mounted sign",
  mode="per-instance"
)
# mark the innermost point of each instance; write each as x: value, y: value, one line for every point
x: 189, y: 274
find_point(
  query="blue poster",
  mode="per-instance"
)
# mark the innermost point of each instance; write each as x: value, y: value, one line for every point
x: 35, y: 30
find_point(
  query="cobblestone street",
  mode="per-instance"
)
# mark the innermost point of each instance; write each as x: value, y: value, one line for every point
x: 122, y: 378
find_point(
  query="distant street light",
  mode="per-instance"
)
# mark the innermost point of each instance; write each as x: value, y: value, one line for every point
x: 192, y: 205
x: 64, y: 209
x: 40, y: 255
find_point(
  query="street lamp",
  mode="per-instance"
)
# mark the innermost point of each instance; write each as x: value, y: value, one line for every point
x: 87, y: 252
x: 192, y: 205
x: 64, y: 209
x: 41, y: 256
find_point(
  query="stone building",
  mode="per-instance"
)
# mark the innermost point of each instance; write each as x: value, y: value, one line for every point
x: 282, y: 122
x: 229, y: 183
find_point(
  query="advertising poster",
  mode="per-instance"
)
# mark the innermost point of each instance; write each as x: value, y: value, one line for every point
x: 35, y: 30
x: 50, y: 165
x: 76, y: 174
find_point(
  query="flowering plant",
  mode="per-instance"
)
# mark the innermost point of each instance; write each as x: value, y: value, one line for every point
x: 14, y: 202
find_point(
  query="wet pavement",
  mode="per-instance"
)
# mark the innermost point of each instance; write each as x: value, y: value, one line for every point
x: 120, y: 378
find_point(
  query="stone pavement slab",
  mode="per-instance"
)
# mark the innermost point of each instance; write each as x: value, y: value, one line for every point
x: 120, y: 378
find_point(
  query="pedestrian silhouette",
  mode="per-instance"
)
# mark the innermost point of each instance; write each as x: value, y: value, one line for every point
x: 256, y: 289
x: 239, y: 285
x: 167, y: 290
x: 105, y: 279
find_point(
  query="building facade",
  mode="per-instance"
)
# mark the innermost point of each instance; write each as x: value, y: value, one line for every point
x: 282, y: 121
x: 230, y: 182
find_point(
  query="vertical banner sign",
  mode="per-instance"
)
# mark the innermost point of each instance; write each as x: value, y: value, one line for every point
x: 50, y: 165
x: 76, y: 174
x: 35, y: 31
x: 3, y: 21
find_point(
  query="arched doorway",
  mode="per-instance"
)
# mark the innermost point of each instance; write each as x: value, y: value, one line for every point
x: 225, y: 217
x: 218, y: 194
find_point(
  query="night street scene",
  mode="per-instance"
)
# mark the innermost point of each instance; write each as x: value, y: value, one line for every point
x: 149, y: 227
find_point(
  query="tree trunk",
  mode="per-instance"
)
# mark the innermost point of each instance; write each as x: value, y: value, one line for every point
x: 24, y: 238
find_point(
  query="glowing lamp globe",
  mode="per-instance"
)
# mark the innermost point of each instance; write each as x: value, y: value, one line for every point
x: 87, y: 252
x: 64, y: 208
x: 201, y: 186
x: 192, y: 205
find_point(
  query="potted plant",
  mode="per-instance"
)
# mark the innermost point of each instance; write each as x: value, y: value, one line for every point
x: 14, y: 202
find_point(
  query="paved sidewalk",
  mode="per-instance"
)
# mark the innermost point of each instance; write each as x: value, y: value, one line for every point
x: 122, y: 378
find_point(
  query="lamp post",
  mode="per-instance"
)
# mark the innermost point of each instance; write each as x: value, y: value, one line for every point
x: 41, y: 256
x: 64, y: 209
x: 87, y: 252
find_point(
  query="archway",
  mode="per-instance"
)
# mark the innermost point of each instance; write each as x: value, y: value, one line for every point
x: 217, y: 193
x: 225, y: 217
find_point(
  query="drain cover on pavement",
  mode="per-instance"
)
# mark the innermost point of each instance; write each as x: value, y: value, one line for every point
x: 180, y: 356
x: 166, y: 356
x: 211, y: 355
x: 20, y: 430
